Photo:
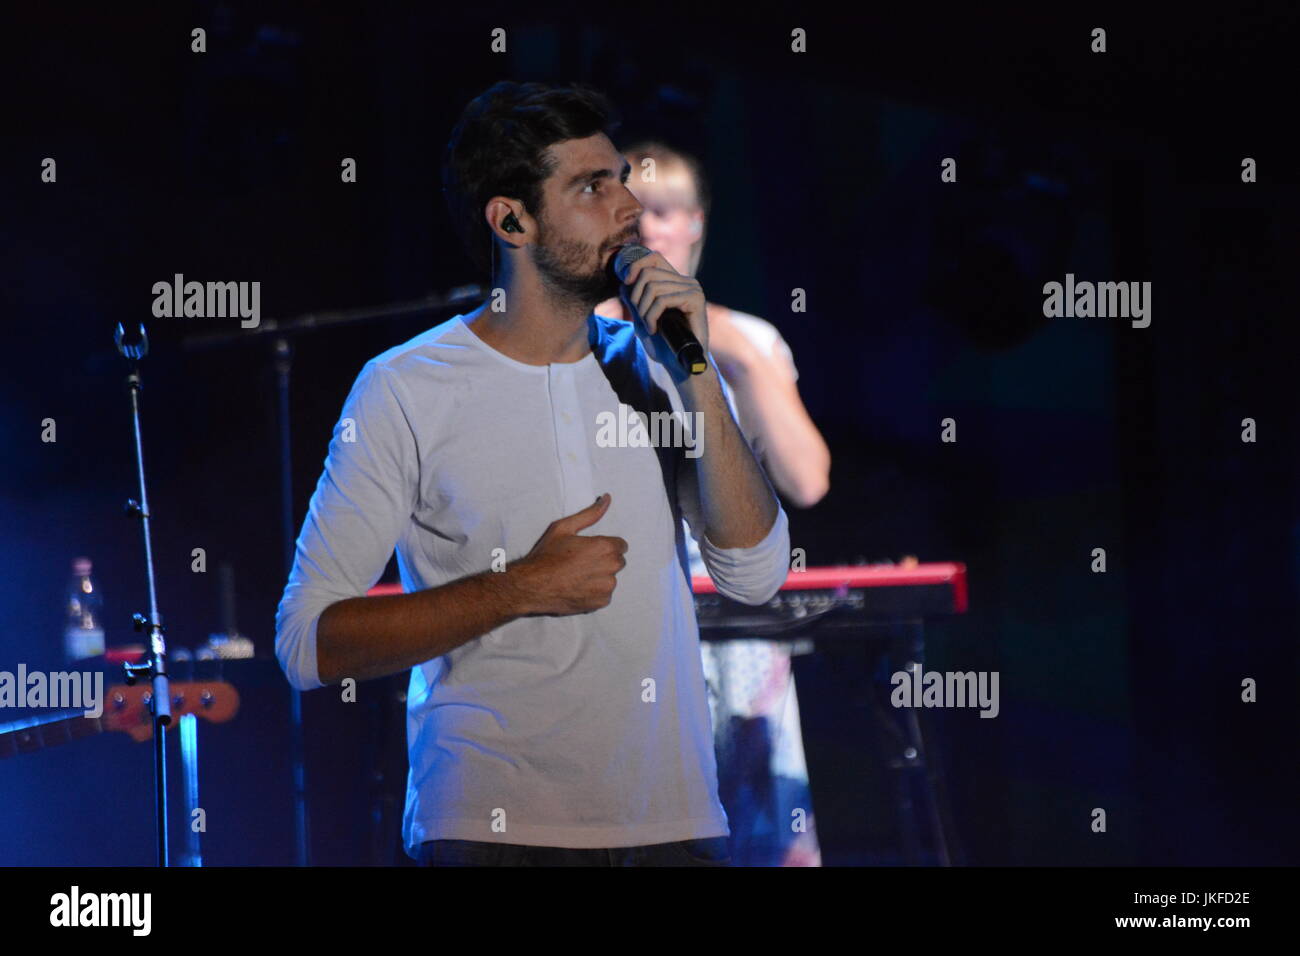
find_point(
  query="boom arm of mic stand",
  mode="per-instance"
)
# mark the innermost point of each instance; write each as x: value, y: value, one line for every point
x: 310, y: 321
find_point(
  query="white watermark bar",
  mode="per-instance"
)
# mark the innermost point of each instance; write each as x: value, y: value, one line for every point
x: 61, y: 690
x: 631, y: 428
x: 946, y: 689
x: 208, y: 300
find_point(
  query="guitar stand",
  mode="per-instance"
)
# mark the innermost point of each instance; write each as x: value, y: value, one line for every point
x: 154, y: 668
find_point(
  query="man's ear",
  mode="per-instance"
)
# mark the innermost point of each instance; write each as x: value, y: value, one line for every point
x: 508, y: 220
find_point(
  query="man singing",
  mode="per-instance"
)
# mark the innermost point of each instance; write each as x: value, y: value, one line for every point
x: 557, y: 712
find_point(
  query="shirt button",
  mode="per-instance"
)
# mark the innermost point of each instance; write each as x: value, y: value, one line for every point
x: 567, y: 419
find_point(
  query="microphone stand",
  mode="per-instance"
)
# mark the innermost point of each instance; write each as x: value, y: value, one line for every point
x: 154, y: 667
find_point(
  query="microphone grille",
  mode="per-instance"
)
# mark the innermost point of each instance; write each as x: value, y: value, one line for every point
x: 626, y: 256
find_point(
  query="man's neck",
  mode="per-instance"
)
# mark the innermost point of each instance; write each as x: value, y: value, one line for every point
x: 536, y: 328
x: 612, y: 308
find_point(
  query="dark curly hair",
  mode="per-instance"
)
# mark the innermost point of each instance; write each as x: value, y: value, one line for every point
x: 499, y: 148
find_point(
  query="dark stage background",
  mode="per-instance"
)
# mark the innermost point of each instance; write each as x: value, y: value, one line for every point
x: 1119, y: 690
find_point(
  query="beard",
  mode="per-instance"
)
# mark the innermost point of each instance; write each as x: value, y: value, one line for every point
x: 566, y: 268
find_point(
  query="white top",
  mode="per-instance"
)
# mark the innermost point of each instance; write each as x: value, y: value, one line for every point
x: 588, y: 730
x: 765, y: 336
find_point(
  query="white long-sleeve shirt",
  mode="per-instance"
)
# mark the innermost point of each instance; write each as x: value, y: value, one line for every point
x: 588, y: 730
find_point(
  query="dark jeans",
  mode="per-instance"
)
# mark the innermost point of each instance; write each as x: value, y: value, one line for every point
x: 709, y: 851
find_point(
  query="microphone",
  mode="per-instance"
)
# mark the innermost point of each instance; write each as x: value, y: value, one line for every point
x: 674, y: 328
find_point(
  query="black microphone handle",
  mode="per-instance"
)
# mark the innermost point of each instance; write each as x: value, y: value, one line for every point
x: 676, y: 331
x: 673, y: 327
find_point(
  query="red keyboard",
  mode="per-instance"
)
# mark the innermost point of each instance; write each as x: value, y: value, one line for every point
x: 844, y: 596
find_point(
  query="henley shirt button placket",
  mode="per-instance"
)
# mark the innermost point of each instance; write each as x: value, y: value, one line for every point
x: 571, y: 440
